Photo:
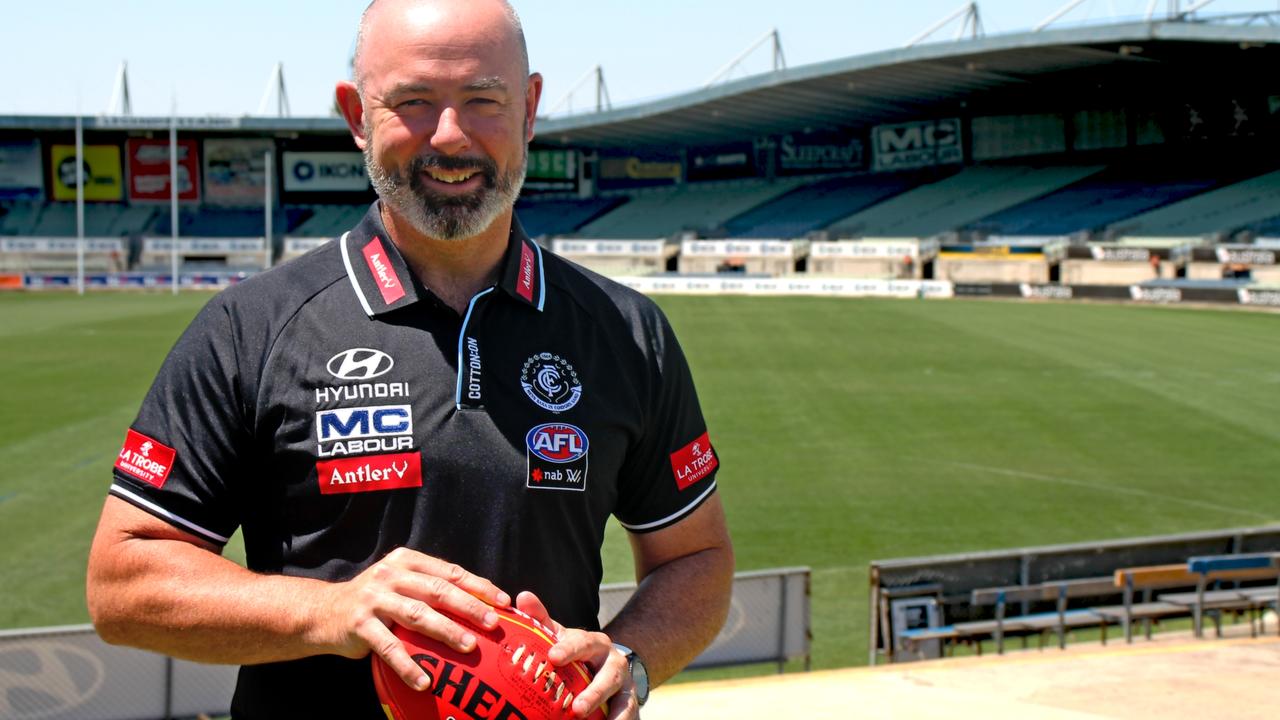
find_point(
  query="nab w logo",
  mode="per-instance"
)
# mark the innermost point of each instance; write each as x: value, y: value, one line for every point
x: 363, y: 422
x: 360, y: 364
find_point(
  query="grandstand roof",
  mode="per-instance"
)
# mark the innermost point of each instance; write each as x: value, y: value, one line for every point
x: 1051, y: 70
x: 1022, y: 72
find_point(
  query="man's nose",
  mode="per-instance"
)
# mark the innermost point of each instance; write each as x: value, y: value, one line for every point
x: 449, y: 137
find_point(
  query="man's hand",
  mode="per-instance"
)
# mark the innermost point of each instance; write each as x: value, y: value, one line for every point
x: 612, y: 683
x: 414, y: 590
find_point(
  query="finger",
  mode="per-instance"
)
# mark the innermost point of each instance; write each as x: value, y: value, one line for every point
x: 605, y: 686
x: 622, y: 706
x: 591, y: 648
x: 426, y: 620
x: 455, y: 574
x: 529, y: 604
x: 388, y: 647
x: 443, y: 595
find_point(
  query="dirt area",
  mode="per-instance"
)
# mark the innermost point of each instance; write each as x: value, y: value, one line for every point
x: 1172, y: 677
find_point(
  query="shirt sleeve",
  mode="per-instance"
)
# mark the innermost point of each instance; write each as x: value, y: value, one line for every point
x: 671, y: 470
x: 181, y: 455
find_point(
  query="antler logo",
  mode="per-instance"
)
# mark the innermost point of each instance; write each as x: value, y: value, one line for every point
x: 360, y: 364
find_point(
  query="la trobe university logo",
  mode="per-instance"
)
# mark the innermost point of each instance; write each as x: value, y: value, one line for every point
x: 360, y: 364
x: 551, y: 382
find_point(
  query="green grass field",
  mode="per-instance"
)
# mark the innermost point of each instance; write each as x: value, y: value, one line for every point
x: 849, y: 430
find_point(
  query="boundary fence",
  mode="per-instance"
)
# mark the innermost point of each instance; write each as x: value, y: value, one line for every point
x: 69, y: 673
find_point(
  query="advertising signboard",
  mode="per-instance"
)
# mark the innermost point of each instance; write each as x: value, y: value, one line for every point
x: 21, y: 174
x: 235, y: 171
x: 907, y: 146
x: 552, y: 171
x: 324, y: 172
x: 148, y: 166
x: 807, y: 153
x: 722, y: 162
x: 103, y: 173
x: 635, y: 171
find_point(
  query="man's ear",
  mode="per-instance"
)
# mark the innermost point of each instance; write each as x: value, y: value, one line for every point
x: 352, y: 108
x: 531, y: 97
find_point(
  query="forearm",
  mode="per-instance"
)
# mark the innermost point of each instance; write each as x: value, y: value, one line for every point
x: 677, y: 611
x: 175, y: 598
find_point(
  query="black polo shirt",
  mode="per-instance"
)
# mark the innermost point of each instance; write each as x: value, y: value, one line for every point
x: 334, y: 409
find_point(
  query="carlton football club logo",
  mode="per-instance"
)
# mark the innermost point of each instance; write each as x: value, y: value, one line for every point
x: 551, y: 382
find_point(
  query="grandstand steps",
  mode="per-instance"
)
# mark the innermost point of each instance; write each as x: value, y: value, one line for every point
x: 1217, y: 211
x: 813, y: 206
x: 959, y: 200
x: 664, y: 212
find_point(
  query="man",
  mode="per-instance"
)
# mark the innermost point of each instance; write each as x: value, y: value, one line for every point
x: 420, y: 420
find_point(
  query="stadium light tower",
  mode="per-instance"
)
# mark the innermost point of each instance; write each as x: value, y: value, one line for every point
x: 779, y: 60
x: 602, y: 92
x: 120, y: 93
x: 275, y: 85
x: 972, y: 24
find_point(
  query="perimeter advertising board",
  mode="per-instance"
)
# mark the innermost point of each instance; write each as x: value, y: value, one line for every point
x: 908, y: 146
x: 103, y: 173
x: 308, y: 172
x: 804, y: 154
x: 148, y: 166
x: 21, y: 174
x: 235, y: 171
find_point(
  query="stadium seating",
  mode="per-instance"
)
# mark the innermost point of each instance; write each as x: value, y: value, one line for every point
x: 814, y: 206
x: 18, y: 218
x: 327, y: 221
x: 1221, y: 210
x: 561, y: 216
x: 1104, y: 199
x: 959, y: 200
x: 210, y: 221
x: 698, y: 207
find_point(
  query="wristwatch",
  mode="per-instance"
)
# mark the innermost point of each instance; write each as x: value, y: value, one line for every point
x: 639, y: 673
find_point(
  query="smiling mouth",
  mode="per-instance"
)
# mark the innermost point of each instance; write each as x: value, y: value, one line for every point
x: 451, y: 176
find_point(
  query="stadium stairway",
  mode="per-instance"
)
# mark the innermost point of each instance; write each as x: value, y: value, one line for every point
x: 664, y: 212
x: 815, y: 205
x: 1222, y: 210
x: 959, y: 200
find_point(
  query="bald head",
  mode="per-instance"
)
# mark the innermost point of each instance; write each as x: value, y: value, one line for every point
x: 380, y: 12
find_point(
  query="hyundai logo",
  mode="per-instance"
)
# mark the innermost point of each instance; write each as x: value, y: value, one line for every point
x: 360, y: 364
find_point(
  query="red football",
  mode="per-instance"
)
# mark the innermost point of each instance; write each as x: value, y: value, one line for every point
x: 506, y: 677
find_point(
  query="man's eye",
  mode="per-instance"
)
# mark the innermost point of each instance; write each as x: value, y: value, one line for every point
x: 413, y: 102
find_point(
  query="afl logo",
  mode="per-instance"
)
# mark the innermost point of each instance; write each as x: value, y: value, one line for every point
x: 550, y: 382
x: 557, y: 442
x: 360, y: 364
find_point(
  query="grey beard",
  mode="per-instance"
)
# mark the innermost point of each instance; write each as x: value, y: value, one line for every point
x: 445, y: 217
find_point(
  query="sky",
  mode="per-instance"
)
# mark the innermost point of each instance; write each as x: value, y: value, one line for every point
x: 215, y: 57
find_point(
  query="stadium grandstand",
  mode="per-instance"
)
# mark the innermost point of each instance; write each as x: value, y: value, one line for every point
x: 1158, y: 135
